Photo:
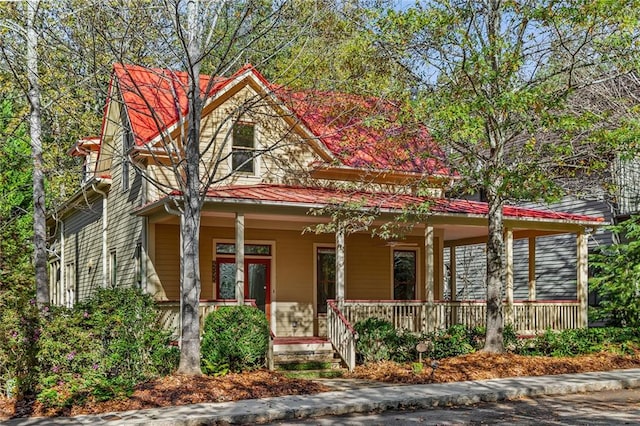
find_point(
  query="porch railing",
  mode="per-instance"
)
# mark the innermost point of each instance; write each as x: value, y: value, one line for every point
x: 341, y: 334
x: 419, y: 316
x: 533, y: 316
x: 170, y: 310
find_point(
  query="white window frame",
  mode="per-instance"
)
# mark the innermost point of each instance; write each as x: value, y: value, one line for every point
x: 255, y: 158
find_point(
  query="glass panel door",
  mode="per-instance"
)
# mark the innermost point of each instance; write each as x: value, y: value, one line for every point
x: 226, y: 279
x: 258, y: 281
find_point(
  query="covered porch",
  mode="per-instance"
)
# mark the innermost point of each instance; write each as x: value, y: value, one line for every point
x: 256, y: 244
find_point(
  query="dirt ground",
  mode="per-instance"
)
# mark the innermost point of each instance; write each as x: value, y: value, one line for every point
x: 180, y: 390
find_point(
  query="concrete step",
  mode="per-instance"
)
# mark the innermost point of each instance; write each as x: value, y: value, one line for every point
x: 304, y: 354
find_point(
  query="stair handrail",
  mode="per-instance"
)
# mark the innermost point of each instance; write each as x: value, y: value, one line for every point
x: 341, y: 334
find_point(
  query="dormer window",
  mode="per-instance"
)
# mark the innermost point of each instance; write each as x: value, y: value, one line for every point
x: 243, y: 148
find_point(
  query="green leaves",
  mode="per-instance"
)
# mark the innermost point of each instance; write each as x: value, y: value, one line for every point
x: 617, y: 277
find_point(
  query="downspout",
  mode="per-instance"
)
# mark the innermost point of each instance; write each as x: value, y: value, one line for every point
x: 105, y: 226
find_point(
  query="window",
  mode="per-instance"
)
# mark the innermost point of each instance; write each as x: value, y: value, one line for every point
x: 138, y: 265
x: 404, y: 275
x: 55, y: 278
x: 326, y: 277
x: 69, y: 296
x: 127, y: 144
x: 113, y: 268
x: 242, y: 151
x: 249, y: 249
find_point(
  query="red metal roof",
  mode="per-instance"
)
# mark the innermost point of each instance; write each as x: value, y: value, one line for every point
x: 157, y: 98
x: 324, y: 196
x: 360, y: 132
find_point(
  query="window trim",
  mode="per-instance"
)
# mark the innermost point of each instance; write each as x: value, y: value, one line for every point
x: 255, y: 163
x: 216, y: 256
x: 317, y: 246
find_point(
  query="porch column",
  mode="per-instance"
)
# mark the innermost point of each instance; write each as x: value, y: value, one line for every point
x: 453, y: 273
x: 509, y: 319
x: 429, y: 321
x: 532, y: 268
x: 582, y: 277
x: 340, y: 273
x: 240, y: 258
x: 428, y: 263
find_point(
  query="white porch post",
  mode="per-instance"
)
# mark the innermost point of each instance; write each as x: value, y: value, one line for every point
x: 532, y: 268
x: 509, y: 319
x: 340, y: 272
x: 240, y: 258
x: 582, y: 277
x: 453, y: 273
x: 428, y: 263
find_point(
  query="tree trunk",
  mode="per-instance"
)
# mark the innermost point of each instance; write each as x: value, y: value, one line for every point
x: 35, y: 129
x: 495, y: 267
x: 190, y: 220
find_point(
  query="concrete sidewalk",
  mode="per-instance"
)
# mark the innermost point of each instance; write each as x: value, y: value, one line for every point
x: 359, y: 400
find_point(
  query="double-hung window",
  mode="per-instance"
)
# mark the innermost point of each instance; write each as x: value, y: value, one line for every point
x: 243, y: 148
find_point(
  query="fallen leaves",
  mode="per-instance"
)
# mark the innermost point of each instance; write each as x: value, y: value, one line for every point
x: 181, y: 390
x: 481, y: 366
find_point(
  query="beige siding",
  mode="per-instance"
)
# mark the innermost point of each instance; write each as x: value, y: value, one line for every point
x: 282, y: 156
x: 369, y: 269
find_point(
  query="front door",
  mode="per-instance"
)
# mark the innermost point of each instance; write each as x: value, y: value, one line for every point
x: 257, y: 280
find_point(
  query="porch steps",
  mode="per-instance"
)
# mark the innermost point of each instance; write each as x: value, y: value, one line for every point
x: 304, y: 354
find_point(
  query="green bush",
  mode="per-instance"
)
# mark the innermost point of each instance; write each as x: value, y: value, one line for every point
x: 19, y: 333
x: 235, y: 338
x: 581, y: 341
x: 375, y: 340
x: 379, y: 341
x: 102, y: 348
x: 456, y: 340
x: 616, y: 277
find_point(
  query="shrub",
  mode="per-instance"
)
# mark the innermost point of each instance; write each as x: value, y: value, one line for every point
x: 235, y: 338
x: 375, y: 340
x: 456, y: 340
x: 102, y: 348
x: 19, y: 332
x: 617, y: 277
x: 582, y: 341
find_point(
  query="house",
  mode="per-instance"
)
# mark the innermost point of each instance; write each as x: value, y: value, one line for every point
x: 298, y: 181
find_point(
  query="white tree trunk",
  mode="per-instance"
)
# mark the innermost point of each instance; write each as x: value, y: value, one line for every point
x: 35, y: 129
x: 190, y: 279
